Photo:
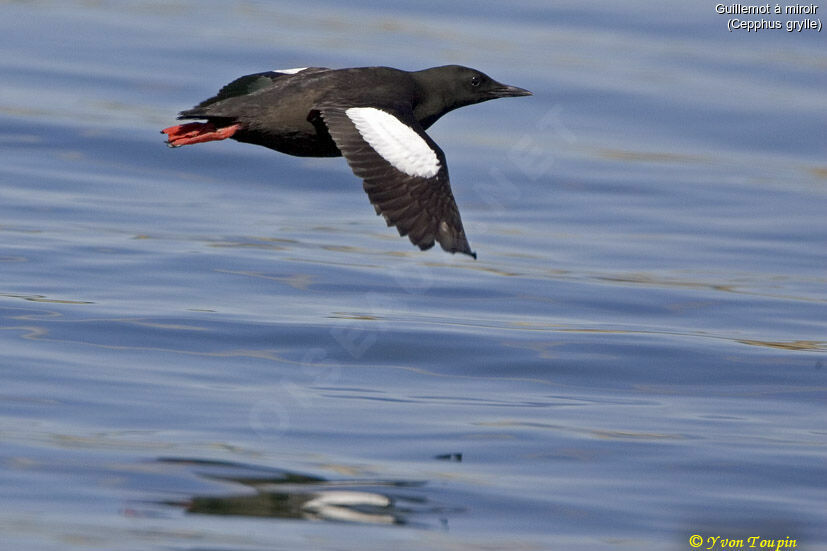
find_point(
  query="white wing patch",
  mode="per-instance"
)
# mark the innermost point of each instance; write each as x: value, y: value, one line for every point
x: 395, y: 141
x: 290, y: 71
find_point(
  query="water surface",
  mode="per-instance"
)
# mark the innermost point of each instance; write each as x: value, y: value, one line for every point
x: 219, y: 347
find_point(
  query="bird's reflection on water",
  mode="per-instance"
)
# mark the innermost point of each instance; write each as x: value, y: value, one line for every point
x: 283, y: 494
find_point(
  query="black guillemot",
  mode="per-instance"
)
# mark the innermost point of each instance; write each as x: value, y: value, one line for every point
x: 375, y: 116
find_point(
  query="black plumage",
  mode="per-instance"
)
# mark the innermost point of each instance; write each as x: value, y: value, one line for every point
x: 309, y: 112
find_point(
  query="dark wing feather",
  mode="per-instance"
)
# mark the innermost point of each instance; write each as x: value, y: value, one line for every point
x: 242, y: 86
x: 423, y: 208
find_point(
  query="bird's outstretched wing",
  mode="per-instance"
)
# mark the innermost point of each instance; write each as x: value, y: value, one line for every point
x: 404, y: 172
x: 244, y: 86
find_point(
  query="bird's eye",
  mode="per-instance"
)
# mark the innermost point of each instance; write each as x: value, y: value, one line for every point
x: 476, y: 80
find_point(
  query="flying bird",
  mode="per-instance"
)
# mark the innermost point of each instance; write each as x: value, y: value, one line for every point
x: 375, y: 117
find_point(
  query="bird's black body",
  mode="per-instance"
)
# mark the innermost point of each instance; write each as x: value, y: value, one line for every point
x: 309, y: 113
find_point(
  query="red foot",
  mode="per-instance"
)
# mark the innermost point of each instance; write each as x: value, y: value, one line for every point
x: 197, y: 132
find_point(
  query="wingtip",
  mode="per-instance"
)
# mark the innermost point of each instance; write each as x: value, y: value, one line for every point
x: 467, y: 251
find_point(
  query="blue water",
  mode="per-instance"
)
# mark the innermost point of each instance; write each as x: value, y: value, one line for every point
x: 220, y: 348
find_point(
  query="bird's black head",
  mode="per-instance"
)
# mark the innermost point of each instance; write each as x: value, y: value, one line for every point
x: 457, y: 86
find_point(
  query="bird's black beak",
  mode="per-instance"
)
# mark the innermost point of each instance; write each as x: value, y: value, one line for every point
x: 506, y: 91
